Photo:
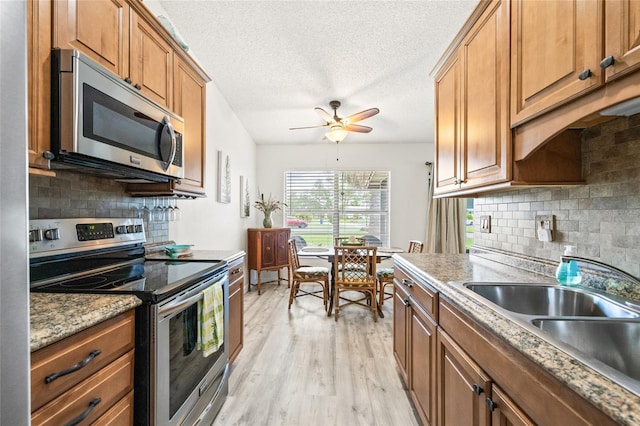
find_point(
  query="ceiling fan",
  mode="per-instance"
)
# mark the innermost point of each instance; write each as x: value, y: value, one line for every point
x: 339, y: 128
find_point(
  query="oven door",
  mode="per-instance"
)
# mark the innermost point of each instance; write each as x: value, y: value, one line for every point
x: 189, y: 386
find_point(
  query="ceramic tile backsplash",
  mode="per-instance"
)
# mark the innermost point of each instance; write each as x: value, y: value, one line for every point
x: 81, y: 195
x: 602, y: 218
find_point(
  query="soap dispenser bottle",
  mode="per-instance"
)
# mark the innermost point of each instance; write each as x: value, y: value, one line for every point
x: 568, y: 272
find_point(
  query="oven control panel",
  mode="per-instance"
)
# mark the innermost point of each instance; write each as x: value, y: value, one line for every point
x: 58, y: 236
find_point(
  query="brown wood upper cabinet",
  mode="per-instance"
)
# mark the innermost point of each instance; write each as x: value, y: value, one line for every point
x: 151, y: 62
x: 473, y: 139
x: 622, y: 37
x: 190, y: 103
x: 100, y: 30
x: 124, y: 37
x: 555, y: 54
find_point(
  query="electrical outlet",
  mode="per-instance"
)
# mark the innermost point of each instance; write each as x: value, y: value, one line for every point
x: 485, y: 224
x: 545, y: 227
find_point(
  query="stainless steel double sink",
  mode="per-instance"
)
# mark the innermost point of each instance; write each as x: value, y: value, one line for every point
x: 602, y: 331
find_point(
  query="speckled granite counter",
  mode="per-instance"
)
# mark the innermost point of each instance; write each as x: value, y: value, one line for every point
x: 55, y: 316
x: 439, y: 269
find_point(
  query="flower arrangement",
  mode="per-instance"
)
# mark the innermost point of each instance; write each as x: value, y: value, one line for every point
x: 267, y: 207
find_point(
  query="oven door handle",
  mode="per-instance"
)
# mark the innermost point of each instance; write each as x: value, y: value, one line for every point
x: 178, y: 306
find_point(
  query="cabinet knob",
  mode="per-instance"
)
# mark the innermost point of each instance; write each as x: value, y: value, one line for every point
x: 492, y: 405
x: 137, y: 86
x: 477, y: 389
x: 584, y: 74
x: 607, y: 62
x: 127, y: 80
x: 406, y: 302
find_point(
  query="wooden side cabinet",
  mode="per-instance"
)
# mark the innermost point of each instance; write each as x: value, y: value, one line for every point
x: 236, y: 307
x: 267, y: 251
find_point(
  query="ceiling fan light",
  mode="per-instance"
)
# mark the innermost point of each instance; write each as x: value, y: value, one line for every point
x: 336, y: 133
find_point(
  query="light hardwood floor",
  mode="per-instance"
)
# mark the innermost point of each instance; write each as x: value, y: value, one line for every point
x: 301, y: 368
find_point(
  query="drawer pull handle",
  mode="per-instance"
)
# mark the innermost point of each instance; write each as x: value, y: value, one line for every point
x: 407, y: 282
x: 85, y: 413
x: 235, y: 271
x: 51, y: 377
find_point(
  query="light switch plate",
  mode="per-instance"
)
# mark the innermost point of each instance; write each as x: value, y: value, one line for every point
x: 545, y: 227
x: 485, y: 224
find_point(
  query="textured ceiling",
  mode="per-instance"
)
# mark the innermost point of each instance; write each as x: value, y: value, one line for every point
x: 274, y: 61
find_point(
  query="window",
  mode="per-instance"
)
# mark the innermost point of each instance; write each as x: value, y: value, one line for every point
x: 322, y: 205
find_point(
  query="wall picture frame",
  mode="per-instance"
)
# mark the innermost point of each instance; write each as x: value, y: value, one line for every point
x: 224, y: 178
x: 245, y: 201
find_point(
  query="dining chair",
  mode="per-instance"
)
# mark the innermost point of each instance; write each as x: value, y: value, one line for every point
x: 385, y: 275
x: 355, y: 271
x: 349, y: 241
x: 306, y: 274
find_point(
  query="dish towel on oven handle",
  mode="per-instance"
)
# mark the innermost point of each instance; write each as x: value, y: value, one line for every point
x: 211, y: 319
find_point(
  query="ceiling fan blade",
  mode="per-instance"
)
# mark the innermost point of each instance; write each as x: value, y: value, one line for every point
x: 359, y: 116
x: 357, y: 128
x: 324, y: 115
x: 308, y: 127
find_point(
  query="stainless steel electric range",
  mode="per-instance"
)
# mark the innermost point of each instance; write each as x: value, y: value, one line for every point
x: 174, y: 383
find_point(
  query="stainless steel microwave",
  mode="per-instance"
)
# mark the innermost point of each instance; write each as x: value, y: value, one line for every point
x: 102, y: 124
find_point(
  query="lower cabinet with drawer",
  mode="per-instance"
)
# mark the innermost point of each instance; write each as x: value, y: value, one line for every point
x: 236, y: 307
x: 482, y: 380
x: 86, y: 378
x: 415, y: 313
x: 459, y: 373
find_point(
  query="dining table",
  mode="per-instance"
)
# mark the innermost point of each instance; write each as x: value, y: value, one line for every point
x: 328, y: 253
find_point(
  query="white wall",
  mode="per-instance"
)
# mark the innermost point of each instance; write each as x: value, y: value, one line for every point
x: 207, y: 224
x: 406, y: 162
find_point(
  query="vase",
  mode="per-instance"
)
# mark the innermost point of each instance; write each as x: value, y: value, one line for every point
x: 267, y: 220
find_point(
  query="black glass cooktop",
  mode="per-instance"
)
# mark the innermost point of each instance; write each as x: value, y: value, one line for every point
x: 150, y: 280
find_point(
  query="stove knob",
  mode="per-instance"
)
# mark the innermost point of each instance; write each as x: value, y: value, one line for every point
x: 138, y: 228
x: 130, y: 229
x: 52, y: 234
x: 35, y: 235
x: 121, y: 229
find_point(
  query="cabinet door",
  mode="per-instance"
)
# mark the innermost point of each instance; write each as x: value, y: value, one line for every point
x: 98, y: 28
x: 422, y: 348
x: 281, y: 248
x: 39, y: 62
x: 236, y: 311
x: 553, y: 42
x: 189, y: 103
x: 462, y: 386
x: 151, y: 59
x: 504, y: 412
x: 486, y: 135
x: 268, y: 249
x: 622, y: 37
x: 448, y: 119
x: 400, y: 327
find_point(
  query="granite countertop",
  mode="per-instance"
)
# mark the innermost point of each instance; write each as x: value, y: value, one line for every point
x: 439, y: 269
x: 55, y: 316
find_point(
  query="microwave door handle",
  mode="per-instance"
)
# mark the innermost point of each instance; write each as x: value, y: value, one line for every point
x: 172, y: 308
x: 174, y: 145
